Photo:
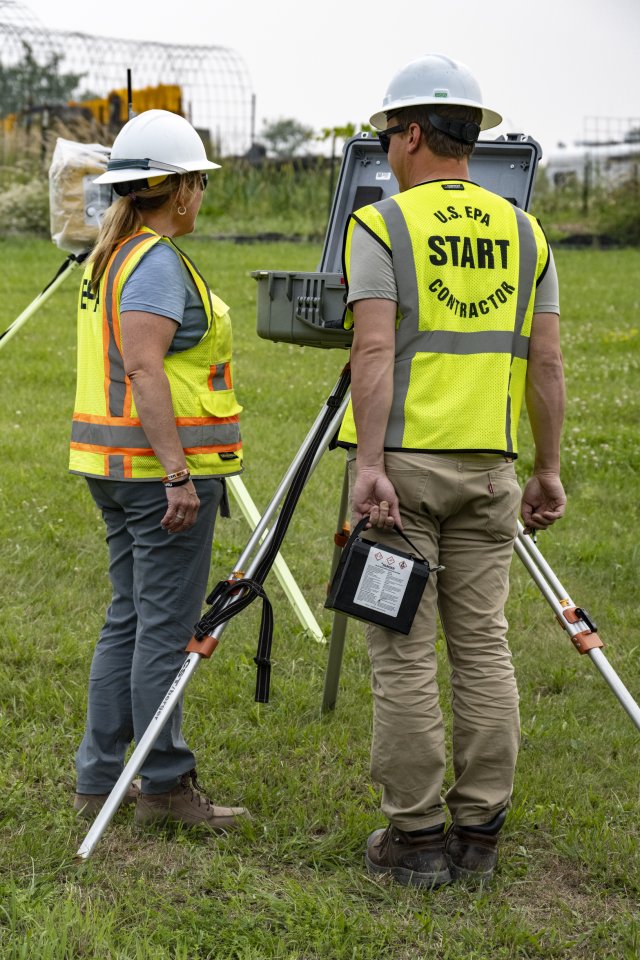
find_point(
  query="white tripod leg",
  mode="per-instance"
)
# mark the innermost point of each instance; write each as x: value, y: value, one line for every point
x: 208, y: 645
x: 292, y: 590
x: 573, y: 619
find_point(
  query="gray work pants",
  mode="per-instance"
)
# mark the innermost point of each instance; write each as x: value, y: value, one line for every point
x: 460, y: 511
x: 159, y: 581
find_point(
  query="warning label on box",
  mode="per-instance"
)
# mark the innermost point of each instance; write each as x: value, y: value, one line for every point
x: 383, y: 582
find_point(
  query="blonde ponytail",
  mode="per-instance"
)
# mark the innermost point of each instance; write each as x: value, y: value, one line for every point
x: 126, y: 215
x: 120, y: 221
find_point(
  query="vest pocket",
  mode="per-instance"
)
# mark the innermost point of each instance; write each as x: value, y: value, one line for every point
x: 219, y: 403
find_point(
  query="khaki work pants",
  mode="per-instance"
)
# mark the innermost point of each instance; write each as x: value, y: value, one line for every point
x: 461, y: 512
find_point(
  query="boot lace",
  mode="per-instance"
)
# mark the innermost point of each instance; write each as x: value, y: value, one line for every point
x: 189, y: 783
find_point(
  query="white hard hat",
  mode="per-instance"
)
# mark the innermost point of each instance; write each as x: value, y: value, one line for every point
x: 434, y: 79
x: 153, y: 143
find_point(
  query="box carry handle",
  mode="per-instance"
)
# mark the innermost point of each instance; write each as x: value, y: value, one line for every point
x: 309, y: 306
x: 359, y: 527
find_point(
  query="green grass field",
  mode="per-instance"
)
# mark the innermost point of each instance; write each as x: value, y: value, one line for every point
x: 292, y: 885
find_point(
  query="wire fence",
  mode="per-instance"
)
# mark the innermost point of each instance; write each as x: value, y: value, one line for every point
x: 214, y: 80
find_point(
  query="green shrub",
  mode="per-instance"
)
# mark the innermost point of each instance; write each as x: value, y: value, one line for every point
x: 24, y: 208
x: 618, y: 215
x: 289, y: 198
x: 292, y: 198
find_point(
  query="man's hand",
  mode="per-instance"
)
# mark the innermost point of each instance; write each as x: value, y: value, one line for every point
x: 374, y: 494
x: 543, y: 501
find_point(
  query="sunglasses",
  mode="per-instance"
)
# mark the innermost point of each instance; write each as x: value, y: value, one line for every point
x: 204, y: 180
x: 385, y: 135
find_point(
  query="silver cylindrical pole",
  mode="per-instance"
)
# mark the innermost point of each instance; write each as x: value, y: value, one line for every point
x: 192, y: 661
x: 541, y: 562
x: 288, y: 476
x: 281, y: 569
x: 616, y: 684
x: 550, y: 595
x: 559, y: 600
x: 138, y: 756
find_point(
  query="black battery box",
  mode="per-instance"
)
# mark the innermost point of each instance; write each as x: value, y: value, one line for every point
x: 379, y: 584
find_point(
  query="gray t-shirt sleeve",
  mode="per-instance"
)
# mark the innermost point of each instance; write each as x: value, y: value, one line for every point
x: 156, y: 285
x: 548, y: 291
x: 372, y: 275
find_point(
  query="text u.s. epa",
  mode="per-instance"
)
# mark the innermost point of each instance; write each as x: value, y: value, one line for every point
x: 471, y: 213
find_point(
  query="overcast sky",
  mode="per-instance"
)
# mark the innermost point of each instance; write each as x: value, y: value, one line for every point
x: 544, y: 65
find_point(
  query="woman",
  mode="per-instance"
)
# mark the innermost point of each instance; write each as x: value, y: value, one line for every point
x: 155, y: 431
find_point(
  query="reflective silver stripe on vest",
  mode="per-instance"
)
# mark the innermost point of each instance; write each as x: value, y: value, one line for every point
x: 134, y: 438
x: 116, y: 467
x: 480, y: 341
x: 117, y: 377
x: 218, y: 381
x: 410, y: 340
x: 526, y: 279
x: 407, y: 333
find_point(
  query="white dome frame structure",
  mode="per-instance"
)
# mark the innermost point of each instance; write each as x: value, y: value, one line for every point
x: 214, y: 80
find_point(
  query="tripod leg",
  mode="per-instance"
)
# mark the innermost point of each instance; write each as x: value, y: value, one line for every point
x: 572, y: 619
x: 63, y: 273
x: 138, y: 756
x: 334, y: 662
x: 340, y: 621
x: 282, y: 571
x: 199, y: 650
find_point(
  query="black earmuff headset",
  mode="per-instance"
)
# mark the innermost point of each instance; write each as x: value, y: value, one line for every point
x: 464, y: 131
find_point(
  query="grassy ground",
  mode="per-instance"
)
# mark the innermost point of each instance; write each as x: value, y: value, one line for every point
x: 292, y: 884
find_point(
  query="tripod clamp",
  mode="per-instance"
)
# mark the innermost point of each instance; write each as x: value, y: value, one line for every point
x: 587, y: 639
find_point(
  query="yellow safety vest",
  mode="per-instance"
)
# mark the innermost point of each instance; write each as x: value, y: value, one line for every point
x: 466, y: 263
x: 107, y: 438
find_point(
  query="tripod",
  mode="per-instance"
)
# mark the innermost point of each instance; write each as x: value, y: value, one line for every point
x: 305, y: 461
x: 573, y: 619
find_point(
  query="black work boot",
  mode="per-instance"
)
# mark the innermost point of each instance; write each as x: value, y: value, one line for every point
x: 413, y: 859
x: 472, y: 851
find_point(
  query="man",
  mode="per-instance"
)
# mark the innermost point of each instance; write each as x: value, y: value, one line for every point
x: 456, y: 321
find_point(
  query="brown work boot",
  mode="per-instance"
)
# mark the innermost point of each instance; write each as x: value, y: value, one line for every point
x: 89, y: 805
x: 413, y: 860
x: 472, y: 851
x: 188, y: 805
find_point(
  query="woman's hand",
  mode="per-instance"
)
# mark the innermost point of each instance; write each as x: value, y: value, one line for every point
x: 182, y: 508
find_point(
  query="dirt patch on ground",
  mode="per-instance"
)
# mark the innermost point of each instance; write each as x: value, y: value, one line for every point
x: 561, y: 898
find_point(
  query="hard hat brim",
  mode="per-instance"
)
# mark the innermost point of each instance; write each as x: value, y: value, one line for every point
x: 137, y: 173
x: 489, y: 117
